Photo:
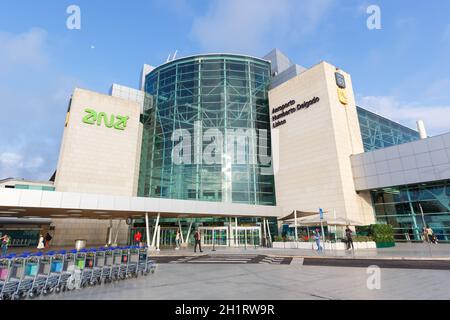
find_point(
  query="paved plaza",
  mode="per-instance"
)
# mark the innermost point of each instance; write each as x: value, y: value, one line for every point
x: 408, y: 271
x: 400, y: 251
x: 269, y: 281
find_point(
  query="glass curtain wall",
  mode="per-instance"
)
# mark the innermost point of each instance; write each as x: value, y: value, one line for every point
x: 402, y: 208
x: 223, y: 92
x: 378, y: 132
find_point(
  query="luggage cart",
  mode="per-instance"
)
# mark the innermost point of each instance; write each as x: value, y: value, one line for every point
x: 142, y: 264
x: 56, y: 265
x: 107, y: 268
x: 117, y: 262
x: 67, y: 269
x: 133, y: 261
x: 146, y: 265
x: 151, y: 265
x: 4, y: 270
x: 7, y: 288
x: 125, y: 255
x: 22, y: 272
x: 84, y: 263
x: 91, y: 263
x: 99, y: 265
x: 43, y: 271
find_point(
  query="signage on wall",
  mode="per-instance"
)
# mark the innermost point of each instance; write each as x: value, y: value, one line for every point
x: 114, y: 121
x: 281, y: 112
x: 342, y: 93
x: 340, y: 80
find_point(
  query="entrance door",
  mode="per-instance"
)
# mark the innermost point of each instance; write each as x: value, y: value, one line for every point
x: 168, y: 235
x: 247, y: 236
x: 220, y: 236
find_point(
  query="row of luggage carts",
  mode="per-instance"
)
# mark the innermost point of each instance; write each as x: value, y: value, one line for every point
x: 33, y: 274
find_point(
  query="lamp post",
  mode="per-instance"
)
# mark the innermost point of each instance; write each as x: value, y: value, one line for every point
x: 295, y: 226
x: 321, y: 227
x: 245, y: 238
x: 214, y: 240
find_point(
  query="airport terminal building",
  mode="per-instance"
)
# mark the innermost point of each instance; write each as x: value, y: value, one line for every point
x: 230, y: 144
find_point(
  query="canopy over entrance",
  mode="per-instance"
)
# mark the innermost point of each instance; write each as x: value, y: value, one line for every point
x: 300, y: 214
x: 330, y: 221
x: 51, y: 204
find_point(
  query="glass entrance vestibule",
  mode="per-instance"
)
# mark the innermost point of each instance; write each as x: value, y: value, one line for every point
x: 214, y: 232
x: 231, y: 236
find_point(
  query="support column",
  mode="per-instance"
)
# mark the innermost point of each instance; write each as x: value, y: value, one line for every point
x: 158, y: 238
x: 236, y: 238
x: 156, y: 230
x: 189, y: 232
x: 264, y: 229
x: 268, y: 230
x: 295, y: 225
x: 117, y: 232
x: 147, y: 230
x: 181, y: 231
x: 110, y: 232
x: 245, y: 238
x: 260, y: 236
x: 230, y: 232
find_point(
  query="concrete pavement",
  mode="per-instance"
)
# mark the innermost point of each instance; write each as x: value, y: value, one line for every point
x: 269, y: 282
x: 415, y: 251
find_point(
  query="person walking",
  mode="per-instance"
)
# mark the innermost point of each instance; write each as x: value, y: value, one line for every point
x: 177, y: 240
x: 197, y: 238
x: 430, y: 235
x: 5, y: 241
x: 41, y: 244
x: 348, y: 235
x: 137, y: 238
x: 47, y: 240
x: 425, y: 234
x: 317, y: 240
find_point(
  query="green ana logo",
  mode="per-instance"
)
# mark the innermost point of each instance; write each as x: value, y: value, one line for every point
x: 116, y: 122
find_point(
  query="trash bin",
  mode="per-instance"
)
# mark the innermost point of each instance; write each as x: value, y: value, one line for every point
x: 80, y: 244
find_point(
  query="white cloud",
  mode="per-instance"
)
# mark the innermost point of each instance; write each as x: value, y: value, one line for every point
x: 33, y: 100
x: 26, y: 49
x: 446, y: 34
x: 11, y: 159
x: 436, y: 117
x: 13, y: 164
x: 438, y: 89
x: 248, y: 26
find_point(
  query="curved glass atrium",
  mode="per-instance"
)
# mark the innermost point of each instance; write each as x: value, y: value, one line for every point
x: 207, y: 131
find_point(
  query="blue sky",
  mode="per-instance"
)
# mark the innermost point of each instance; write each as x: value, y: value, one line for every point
x: 401, y: 71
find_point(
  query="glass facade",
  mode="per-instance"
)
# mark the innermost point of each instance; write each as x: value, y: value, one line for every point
x: 29, y: 187
x: 378, y: 132
x: 226, y: 93
x: 402, y: 208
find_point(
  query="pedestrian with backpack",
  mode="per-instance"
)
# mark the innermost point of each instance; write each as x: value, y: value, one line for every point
x: 47, y: 239
x: 349, y: 236
x: 197, y: 238
x: 41, y: 241
x: 317, y: 240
